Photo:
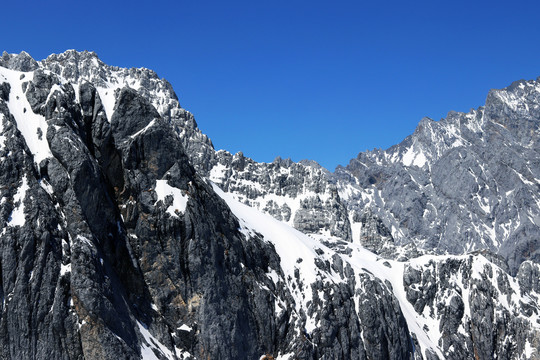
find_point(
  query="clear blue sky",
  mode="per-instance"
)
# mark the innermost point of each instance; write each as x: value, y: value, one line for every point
x: 314, y: 80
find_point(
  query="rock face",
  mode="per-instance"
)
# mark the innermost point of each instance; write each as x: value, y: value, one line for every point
x: 299, y: 194
x: 468, y: 182
x: 125, y: 235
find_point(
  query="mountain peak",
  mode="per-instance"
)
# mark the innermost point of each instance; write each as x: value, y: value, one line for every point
x: 132, y: 237
x: 20, y: 62
x: 74, y: 55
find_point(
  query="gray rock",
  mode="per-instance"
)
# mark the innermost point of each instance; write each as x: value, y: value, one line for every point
x: 21, y: 62
x: 99, y: 262
x: 459, y: 184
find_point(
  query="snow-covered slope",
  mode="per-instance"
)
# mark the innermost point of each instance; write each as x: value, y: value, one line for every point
x: 299, y: 194
x: 32, y: 126
x: 114, y: 243
x: 452, y: 305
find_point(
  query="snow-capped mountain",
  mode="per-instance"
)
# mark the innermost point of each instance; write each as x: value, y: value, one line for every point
x: 469, y: 182
x: 126, y: 235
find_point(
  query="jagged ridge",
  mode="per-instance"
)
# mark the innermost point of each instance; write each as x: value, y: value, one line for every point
x: 114, y: 246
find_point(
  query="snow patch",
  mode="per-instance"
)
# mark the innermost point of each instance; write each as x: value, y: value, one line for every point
x: 151, y: 345
x: 30, y: 125
x: 185, y: 327
x: 46, y: 186
x: 17, y: 216
x: 108, y: 100
x: 64, y: 269
x: 84, y: 240
x: 142, y: 131
x: 412, y: 157
x: 218, y: 173
x: 528, y: 350
x: 179, y: 198
x: 288, y: 356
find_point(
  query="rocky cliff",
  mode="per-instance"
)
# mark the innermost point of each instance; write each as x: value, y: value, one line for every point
x: 468, y: 182
x: 126, y: 235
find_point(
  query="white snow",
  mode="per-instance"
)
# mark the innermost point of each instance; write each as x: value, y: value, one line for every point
x: 179, y: 199
x: 185, y: 327
x: 273, y: 275
x: 46, y: 186
x: 84, y: 239
x: 528, y: 350
x: 414, y: 156
x: 274, y: 201
x: 27, y: 121
x: 64, y: 269
x: 77, y: 95
x: 152, y: 345
x: 483, y: 203
x: 291, y: 244
x: 17, y: 216
x: 356, y: 229
x: 116, y: 80
x: 182, y: 354
x: 288, y: 356
x: 108, y: 99
x: 408, y: 157
x: 142, y: 131
x: 54, y: 88
x: 218, y: 173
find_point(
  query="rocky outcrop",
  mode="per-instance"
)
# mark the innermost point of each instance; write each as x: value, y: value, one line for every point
x: 113, y: 246
x: 454, y: 186
x: 475, y: 305
x: 124, y: 235
x: 468, y: 182
x: 299, y: 194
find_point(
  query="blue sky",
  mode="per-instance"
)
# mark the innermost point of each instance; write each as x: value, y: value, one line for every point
x: 314, y: 80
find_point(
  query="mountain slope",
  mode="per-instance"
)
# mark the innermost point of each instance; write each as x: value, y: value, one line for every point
x: 96, y: 264
x: 118, y: 241
x: 468, y: 182
x: 453, y: 306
